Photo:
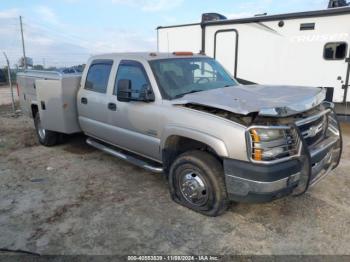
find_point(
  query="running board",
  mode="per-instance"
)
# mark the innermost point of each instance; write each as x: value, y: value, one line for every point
x: 124, y: 156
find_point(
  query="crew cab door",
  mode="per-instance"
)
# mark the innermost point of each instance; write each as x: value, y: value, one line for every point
x: 136, y: 124
x: 93, y: 100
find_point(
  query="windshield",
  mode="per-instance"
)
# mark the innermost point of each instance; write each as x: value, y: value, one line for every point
x: 180, y: 76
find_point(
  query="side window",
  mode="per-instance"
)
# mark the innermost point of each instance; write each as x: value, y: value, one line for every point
x: 134, y: 72
x: 98, y: 75
x: 335, y: 51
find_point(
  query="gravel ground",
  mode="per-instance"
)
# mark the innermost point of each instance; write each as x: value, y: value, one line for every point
x: 72, y: 199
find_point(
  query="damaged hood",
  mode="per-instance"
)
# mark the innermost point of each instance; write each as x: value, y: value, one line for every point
x: 273, y: 101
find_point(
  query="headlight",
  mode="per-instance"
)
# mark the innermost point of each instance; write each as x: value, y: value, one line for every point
x: 269, y: 134
x: 270, y: 144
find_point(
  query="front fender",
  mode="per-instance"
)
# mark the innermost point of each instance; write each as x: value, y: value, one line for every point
x: 215, y: 143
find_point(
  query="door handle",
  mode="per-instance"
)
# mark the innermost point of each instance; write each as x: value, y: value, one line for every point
x: 84, y: 100
x: 112, y: 107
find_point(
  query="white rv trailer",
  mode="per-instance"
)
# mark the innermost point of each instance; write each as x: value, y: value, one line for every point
x: 306, y: 48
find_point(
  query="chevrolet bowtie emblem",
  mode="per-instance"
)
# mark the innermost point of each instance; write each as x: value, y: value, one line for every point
x: 313, y: 131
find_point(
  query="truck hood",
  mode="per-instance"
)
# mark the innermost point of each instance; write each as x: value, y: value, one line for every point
x: 272, y: 101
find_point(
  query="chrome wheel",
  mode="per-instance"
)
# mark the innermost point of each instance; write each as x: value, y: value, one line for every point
x: 41, y: 130
x: 193, y: 188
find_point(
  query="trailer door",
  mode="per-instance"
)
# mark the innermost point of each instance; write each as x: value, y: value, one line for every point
x: 226, y: 49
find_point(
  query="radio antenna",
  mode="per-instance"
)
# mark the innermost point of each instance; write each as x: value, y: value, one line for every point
x: 167, y: 38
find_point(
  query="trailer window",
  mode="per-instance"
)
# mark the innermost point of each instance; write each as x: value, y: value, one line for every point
x: 307, y: 26
x: 98, y: 76
x: 335, y: 51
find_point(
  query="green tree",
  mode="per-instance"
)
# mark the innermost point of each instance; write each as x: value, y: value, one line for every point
x: 3, y: 75
x: 38, y: 67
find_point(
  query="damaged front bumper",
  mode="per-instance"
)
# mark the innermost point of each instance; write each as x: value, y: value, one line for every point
x: 254, y: 182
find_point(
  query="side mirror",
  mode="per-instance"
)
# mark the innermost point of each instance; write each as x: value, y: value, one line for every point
x: 146, y: 94
x: 124, y: 90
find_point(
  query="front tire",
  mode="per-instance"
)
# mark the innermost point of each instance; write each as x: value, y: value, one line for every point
x: 45, y: 137
x: 196, y: 181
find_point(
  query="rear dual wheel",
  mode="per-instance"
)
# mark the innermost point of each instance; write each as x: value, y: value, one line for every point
x: 196, y: 181
x: 45, y: 137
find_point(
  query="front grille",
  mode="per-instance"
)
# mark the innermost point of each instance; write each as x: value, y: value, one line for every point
x: 314, y: 131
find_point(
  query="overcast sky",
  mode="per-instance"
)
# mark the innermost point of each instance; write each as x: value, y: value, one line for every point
x: 67, y: 32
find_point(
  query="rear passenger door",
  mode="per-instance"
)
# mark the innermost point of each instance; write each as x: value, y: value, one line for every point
x: 93, y: 100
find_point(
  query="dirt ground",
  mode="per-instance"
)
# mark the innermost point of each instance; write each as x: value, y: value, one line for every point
x: 72, y: 199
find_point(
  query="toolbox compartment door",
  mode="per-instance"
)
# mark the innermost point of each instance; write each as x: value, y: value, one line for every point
x: 57, y: 104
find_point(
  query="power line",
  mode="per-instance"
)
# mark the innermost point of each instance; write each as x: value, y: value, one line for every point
x: 55, y: 30
x: 54, y: 34
x: 51, y: 58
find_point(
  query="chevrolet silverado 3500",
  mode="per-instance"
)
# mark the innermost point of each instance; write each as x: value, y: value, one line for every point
x: 185, y: 116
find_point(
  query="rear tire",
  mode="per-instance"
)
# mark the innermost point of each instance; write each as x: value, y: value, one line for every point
x: 196, y: 181
x: 45, y: 137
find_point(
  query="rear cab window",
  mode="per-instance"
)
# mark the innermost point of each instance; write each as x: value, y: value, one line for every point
x: 98, y: 76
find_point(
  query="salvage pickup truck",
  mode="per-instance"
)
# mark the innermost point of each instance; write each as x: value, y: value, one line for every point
x: 184, y: 115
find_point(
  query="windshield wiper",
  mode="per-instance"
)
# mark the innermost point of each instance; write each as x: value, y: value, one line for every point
x: 190, y: 92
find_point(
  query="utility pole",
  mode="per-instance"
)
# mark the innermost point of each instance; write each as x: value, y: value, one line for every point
x: 24, y: 50
x: 10, y: 82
